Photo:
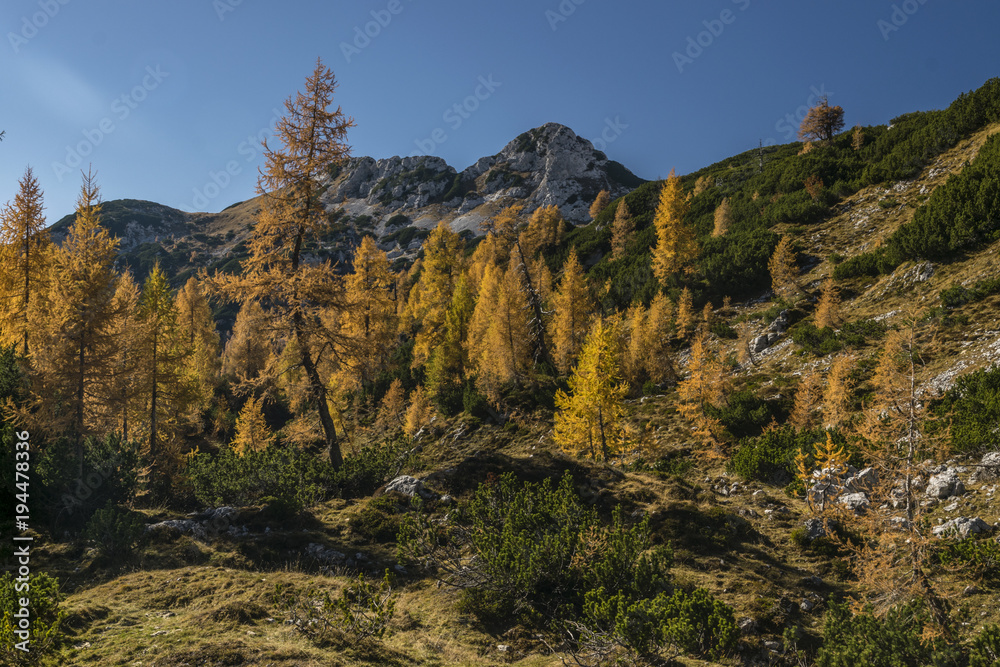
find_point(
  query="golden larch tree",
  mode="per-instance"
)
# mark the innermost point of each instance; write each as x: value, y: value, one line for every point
x: 448, y: 365
x: 838, y: 396
x: 600, y: 203
x: 248, y: 348
x: 312, y: 137
x: 77, y: 349
x: 504, y: 355
x: 252, y: 432
x: 894, y: 563
x: 574, y: 307
x: 822, y: 122
x: 196, y: 327
x: 121, y: 392
x: 704, y: 387
x: 807, y: 398
x: 685, y: 314
x: 828, y: 308
x: 168, y: 391
x: 420, y: 412
x: 622, y: 230
x: 368, y: 322
x: 784, y: 269
x: 722, y: 218
x: 676, y: 245
x: 431, y: 296
x: 545, y: 231
x: 24, y: 245
x: 591, y: 418
x: 505, y: 227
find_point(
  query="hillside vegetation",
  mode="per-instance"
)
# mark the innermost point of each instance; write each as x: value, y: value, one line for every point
x: 744, y: 416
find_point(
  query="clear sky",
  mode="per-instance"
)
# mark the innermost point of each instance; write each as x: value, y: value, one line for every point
x: 168, y: 98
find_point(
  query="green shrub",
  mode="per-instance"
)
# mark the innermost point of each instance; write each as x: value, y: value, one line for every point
x: 368, y: 469
x: 972, y: 409
x: 985, y: 649
x: 770, y: 457
x: 525, y: 552
x: 361, y: 612
x: 114, y: 532
x: 693, y: 623
x: 46, y: 618
x: 895, y: 639
x: 297, y: 478
x: 977, y: 557
x: 745, y: 414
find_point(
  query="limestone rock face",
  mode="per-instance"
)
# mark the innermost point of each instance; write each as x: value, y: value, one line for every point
x: 547, y: 166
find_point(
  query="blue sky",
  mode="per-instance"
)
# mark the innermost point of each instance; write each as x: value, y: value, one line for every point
x: 168, y: 99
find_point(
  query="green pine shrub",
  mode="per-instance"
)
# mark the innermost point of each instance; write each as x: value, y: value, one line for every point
x: 46, y: 618
x: 116, y: 533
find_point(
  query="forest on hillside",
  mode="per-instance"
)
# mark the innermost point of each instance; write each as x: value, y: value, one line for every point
x: 334, y: 378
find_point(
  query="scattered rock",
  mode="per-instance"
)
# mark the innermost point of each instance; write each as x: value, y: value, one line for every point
x: 856, y: 502
x: 990, y: 467
x: 814, y: 529
x: 408, y: 486
x: 963, y: 527
x: 773, y: 646
x: 324, y: 554
x: 807, y: 605
x: 813, y: 581
x: 747, y: 626
x: 945, y: 484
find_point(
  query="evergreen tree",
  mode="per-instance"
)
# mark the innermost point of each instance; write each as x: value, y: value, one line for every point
x: 573, y: 311
x: 24, y: 245
x: 275, y: 275
x: 590, y: 419
x: 676, y: 245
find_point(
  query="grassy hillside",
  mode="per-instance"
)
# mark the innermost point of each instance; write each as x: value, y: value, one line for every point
x: 571, y: 553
